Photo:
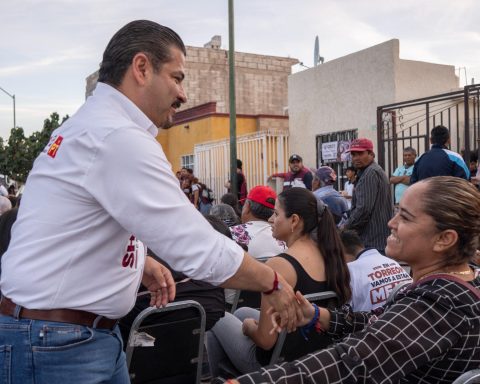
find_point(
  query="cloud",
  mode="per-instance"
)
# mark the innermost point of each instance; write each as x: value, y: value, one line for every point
x: 71, y: 55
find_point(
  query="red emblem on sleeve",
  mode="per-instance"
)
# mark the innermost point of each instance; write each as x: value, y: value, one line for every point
x: 52, y: 151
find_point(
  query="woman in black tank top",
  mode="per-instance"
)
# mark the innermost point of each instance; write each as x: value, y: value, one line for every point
x: 313, y: 263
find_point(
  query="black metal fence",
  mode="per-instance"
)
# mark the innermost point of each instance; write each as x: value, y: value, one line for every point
x: 408, y: 124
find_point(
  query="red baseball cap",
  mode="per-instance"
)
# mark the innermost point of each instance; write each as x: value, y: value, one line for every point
x: 360, y: 145
x: 263, y: 195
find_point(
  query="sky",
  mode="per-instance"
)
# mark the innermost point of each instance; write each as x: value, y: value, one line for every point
x: 49, y: 47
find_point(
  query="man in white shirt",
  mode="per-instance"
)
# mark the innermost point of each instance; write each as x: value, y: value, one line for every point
x: 73, y: 266
x: 372, y: 275
x: 255, y: 231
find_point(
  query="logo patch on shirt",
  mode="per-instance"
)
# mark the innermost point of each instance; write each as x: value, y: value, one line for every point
x: 52, y: 150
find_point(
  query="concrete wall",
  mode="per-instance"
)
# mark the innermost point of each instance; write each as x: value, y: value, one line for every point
x: 344, y: 93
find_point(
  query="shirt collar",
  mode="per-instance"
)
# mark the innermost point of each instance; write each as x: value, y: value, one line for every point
x: 362, y: 252
x: 136, y: 115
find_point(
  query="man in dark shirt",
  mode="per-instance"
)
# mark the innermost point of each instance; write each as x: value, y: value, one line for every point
x: 299, y: 175
x: 372, y: 206
x: 439, y: 161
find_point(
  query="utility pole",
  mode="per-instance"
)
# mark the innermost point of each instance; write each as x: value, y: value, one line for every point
x: 233, y: 110
x: 13, y: 98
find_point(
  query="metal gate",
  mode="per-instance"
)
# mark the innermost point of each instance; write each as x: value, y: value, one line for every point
x: 262, y: 154
x: 408, y: 124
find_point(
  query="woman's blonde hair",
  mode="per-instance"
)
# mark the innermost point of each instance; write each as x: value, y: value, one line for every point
x: 454, y: 203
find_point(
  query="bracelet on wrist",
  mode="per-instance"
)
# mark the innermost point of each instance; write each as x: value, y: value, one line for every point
x: 276, y: 285
x: 312, y: 324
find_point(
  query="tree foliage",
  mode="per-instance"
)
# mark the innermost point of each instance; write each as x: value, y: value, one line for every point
x: 18, y: 155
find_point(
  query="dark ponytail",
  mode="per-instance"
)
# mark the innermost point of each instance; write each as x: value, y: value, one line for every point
x: 330, y: 245
x: 316, y: 215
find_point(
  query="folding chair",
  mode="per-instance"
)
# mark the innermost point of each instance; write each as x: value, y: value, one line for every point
x: 290, y: 346
x: 245, y: 298
x: 469, y: 377
x: 172, y: 350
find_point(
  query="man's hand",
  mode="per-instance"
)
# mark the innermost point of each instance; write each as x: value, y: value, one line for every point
x: 285, y: 304
x: 304, y: 316
x: 159, y: 281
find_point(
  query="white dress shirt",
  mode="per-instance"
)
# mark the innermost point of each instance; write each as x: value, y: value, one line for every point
x: 101, y: 182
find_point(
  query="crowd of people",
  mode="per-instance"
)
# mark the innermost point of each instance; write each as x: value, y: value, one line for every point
x: 103, y: 217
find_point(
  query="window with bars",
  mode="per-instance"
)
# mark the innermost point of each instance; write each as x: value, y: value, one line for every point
x: 188, y: 161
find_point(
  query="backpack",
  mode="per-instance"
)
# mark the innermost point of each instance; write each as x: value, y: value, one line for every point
x: 207, y: 196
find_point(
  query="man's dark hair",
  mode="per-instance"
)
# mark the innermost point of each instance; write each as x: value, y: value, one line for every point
x: 239, y: 163
x: 410, y: 149
x: 350, y: 168
x: 137, y: 36
x: 260, y: 211
x: 439, y: 135
x: 351, y: 241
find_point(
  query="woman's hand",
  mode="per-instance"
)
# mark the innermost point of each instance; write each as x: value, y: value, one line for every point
x: 249, y: 326
x: 304, y: 316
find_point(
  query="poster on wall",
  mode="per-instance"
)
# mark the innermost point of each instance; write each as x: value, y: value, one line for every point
x: 336, y: 151
x: 342, y: 154
x: 329, y: 151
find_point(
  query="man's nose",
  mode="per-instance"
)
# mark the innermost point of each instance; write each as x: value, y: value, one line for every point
x: 182, y: 96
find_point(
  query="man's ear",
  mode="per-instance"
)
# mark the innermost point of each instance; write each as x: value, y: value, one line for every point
x: 141, y: 68
x: 246, y: 207
x: 445, y: 240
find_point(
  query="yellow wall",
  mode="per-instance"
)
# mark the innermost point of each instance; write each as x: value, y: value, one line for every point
x: 179, y: 141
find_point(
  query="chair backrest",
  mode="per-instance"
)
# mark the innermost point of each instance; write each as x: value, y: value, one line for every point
x: 293, y: 345
x: 163, y: 349
x: 469, y: 377
x: 245, y: 298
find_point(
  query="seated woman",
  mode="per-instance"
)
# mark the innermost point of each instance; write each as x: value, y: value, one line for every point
x: 314, y: 263
x: 428, y: 333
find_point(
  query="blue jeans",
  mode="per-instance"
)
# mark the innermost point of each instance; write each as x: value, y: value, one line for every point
x: 46, y: 352
x: 226, y: 342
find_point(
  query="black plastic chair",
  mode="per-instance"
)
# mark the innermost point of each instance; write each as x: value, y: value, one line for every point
x: 176, y: 355
x: 291, y: 346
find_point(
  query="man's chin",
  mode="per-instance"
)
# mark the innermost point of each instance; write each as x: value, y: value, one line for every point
x: 167, y: 123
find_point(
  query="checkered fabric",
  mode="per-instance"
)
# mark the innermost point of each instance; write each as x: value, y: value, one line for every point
x: 428, y: 334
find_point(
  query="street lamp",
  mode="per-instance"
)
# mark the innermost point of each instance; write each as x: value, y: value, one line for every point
x: 13, y: 98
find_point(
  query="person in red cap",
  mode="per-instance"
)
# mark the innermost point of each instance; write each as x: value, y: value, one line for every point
x: 372, y: 206
x: 255, y: 231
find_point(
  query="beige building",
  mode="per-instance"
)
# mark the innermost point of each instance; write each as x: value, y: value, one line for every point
x: 340, y: 97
